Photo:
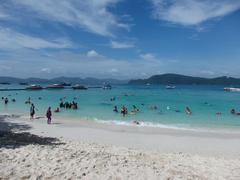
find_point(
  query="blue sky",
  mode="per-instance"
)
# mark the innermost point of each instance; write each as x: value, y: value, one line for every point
x: 120, y: 39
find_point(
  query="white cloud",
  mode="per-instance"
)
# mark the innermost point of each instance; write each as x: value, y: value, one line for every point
x: 46, y: 70
x: 14, y: 40
x: 75, y: 64
x: 192, y: 12
x: 93, y: 53
x: 91, y: 15
x: 148, y: 56
x: 121, y: 45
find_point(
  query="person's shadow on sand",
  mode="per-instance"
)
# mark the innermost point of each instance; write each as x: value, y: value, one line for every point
x: 11, y: 139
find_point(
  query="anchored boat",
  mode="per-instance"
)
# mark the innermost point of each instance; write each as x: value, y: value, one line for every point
x: 55, y: 86
x: 79, y: 87
x: 231, y: 89
x: 34, y: 87
x: 107, y: 86
x: 170, y: 87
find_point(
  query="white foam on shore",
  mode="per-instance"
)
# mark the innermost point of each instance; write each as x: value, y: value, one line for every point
x: 142, y: 124
x: 164, y: 126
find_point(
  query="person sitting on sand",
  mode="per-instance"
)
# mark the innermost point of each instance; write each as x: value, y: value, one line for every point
x: 57, y: 110
x: 49, y: 115
x: 32, y: 111
x: 188, y: 111
x: 115, y: 109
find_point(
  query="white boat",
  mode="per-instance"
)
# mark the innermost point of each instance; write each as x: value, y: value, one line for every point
x: 231, y: 89
x: 170, y: 87
x: 107, y: 86
x: 34, y: 87
x: 55, y: 86
x: 79, y: 87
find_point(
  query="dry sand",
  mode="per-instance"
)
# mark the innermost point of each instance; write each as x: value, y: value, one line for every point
x: 90, y: 151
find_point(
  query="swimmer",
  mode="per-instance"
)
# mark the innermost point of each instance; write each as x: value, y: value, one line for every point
x: 115, y: 109
x: 233, y: 111
x: 135, y: 109
x: 153, y: 107
x: 188, y: 111
x: 136, y: 122
x: 57, y: 110
x: 113, y: 99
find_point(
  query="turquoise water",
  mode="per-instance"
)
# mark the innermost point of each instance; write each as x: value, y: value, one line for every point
x: 95, y: 104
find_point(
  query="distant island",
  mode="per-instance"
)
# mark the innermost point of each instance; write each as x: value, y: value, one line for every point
x: 185, y: 80
x: 164, y: 79
x: 71, y: 80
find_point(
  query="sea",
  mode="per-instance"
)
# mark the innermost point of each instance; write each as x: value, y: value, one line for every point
x: 210, y: 105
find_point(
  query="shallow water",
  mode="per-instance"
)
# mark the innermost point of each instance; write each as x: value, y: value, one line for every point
x: 95, y: 104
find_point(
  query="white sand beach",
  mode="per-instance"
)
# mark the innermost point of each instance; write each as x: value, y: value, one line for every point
x: 89, y: 150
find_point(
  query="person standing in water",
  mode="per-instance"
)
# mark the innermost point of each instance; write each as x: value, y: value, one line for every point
x: 32, y: 111
x: 49, y: 115
x: 6, y: 101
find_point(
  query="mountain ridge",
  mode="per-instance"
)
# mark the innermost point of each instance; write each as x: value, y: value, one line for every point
x: 183, y: 79
x: 63, y: 79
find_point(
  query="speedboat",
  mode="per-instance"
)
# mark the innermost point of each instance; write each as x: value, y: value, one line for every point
x: 107, y: 86
x: 170, y: 87
x: 79, y: 87
x: 34, y: 87
x: 231, y: 89
x: 55, y: 86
